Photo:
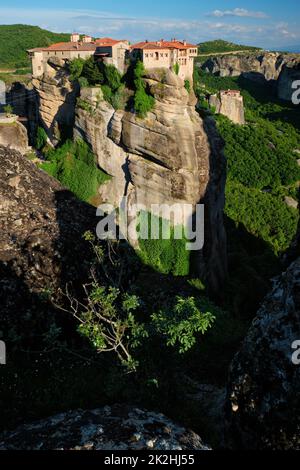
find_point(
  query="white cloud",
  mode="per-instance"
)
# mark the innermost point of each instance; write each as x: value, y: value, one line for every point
x: 240, y: 12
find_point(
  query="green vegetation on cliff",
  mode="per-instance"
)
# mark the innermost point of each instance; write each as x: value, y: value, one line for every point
x: 16, y: 39
x: 264, y: 215
x: 261, y: 162
x: 127, y: 91
x: 143, y: 101
x: 166, y: 254
x: 74, y: 165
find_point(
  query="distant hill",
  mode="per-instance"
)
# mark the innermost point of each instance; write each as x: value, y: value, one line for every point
x: 219, y: 46
x: 16, y: 39
x: 291, y: 49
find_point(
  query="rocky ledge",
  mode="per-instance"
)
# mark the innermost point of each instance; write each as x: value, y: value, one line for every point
x: 264, y: 67
x: 118, y: 427
x: 13, y: 135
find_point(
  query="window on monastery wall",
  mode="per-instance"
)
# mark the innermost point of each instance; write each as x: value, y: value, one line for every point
x: 146, y: 55
x: 167, y: 54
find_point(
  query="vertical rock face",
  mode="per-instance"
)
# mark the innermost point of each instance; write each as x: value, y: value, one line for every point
x: 169, y: 157
x: 230, y: 103
x: 289, y: 74
x: 268, y: 65
x: 283, y: 69
x: 14, y: 136
x: 56, y: 97
x: 264, y: 386
x: 23, y: 99
x: 93, y: 127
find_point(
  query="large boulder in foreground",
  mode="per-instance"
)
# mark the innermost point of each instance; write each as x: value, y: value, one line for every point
x: 41, y: 244
x: 118, y: 427
x: 264, y: 386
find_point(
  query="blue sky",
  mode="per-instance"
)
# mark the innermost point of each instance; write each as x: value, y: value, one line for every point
x: 263, y: 23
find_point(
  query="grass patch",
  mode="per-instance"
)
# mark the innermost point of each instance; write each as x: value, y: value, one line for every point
x: 74, y: 165
x: 167, y: 256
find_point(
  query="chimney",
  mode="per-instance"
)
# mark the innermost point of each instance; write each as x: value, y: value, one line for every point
x: 184, y: 42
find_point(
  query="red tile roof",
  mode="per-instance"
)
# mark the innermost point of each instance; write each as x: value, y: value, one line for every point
x: 79, y: 46
x: 163, y: 45
x: 108, y: 41
x: 67, y: 46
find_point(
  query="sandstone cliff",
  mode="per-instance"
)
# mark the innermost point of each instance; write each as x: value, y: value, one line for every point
x: 280, y: 68
x: 14, y: 136
x: 117, y: 427
x: 289, y: 74
x: 171, y: 156
x: 56, y: 99
x: 23, y: 99
x: 264, y: 385
x: 266, y: 65
x: 230, y: 104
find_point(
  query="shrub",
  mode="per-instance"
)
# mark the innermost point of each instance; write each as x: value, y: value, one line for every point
x: 83, y: 82
x: 143, y: 102
x: 139, y: 71
x: 112, y: 77
x: 85, y: 105
x: 91, y: 72
x: 76, y: 68
x: 180, y: 323
x: 114, y: 321
x: 8, y: 109
x: 187, y: 85
x: 108, y: 321
x: 176, y: 68
x: 107, y: 93
x: 119, y: 98
x: 41, y: 138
